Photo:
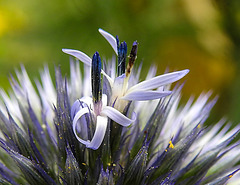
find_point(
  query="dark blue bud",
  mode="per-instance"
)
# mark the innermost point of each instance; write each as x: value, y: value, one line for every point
x: 122, y: 55
x: 125, y: 47
x: 117, y: 40
x: 96, y: 78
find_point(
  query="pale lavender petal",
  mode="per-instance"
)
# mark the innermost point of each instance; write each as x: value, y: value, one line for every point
x: 28, y: 89
x: 145, y: 95
x: 11, y: 102
x: 104, y: 100
x: 117, y: 116
x: 151, y: 72
x: 81, y: 125
x: 79, y: 55
x: 75, y: 108
x: 85, y: 59
x: 87, y: 100
x: 111, y: 39
x: 119, y: 82
x: 110, y: 80
x: 159, y: 81
x: 75, y: 121
x: 46, y: 90
x: 75, y: 86
x: 99, y: 133
x: 87, y: 86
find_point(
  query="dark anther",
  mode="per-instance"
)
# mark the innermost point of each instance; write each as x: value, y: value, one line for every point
x: 132, y: 57
x: 96, y: 78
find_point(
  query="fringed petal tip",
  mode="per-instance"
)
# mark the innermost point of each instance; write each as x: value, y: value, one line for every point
x: 111, y: 40
x: 79, y: 55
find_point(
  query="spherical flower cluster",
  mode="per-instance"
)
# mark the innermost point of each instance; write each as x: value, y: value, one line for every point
x: 105, y: 126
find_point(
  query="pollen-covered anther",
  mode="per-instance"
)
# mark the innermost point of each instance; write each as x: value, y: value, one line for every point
x: 171, y: 144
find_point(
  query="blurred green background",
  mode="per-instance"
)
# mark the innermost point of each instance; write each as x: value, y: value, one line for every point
x: 201, y: 35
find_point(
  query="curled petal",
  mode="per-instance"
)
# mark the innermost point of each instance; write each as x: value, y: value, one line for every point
x: 117, y: 116
x: 79, y: 55
x: 99, y: 133
x: 76, y: 117
x: 87, y: 100
x: 145, y: 95
x: 159, y: 81
x: 111, y: 40
x: 75, y: 108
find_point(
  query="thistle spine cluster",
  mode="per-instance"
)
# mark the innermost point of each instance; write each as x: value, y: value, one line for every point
x: 116, y: 131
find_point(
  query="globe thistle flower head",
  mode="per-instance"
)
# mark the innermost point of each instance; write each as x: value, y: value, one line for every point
x: 105, y: 126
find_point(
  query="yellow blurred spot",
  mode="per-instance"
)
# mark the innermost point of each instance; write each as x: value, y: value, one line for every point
x: 199, y: 126
x: 171, y: 145
x: 206, y: 18
x: 230, y: 176
x: 166, y: 150
x: 3, y: 24
x: 84, y: 164
x: 114, y: 164
x: 11, y: 19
